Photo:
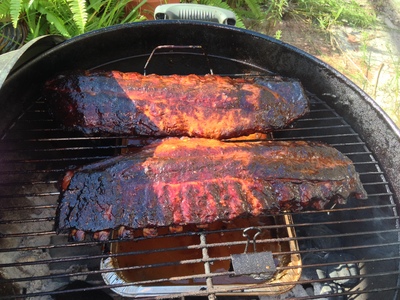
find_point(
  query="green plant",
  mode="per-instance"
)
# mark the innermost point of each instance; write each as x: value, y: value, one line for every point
x: 66, y: 17
x: 244, y: 9
x: 225, y: 5
x: 276, y: 9
x: 278, y: 34
x: 329, y: 12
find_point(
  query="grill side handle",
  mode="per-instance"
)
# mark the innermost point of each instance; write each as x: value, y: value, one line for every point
x: 189, y: 11
x: 11, y: 61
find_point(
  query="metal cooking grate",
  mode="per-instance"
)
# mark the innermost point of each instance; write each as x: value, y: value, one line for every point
x: 37, y: 262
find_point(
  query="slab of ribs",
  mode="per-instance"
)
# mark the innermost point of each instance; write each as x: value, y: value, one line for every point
x: 179, y: 181
x: 210, y: 106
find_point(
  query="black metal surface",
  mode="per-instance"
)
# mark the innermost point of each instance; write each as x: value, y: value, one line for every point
x: 35, y: 152
x: 229, y: 44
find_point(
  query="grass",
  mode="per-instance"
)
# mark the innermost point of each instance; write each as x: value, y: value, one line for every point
x: 362, y: 64
x: 326, y: 13
x: 74, y: 17
x: 66, y: 17
x: 378, y: 74
x: 380, y: 80
x: 384, y: 85
x: 392, y: 87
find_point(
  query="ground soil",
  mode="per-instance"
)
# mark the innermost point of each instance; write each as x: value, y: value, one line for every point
x: 370, y: 57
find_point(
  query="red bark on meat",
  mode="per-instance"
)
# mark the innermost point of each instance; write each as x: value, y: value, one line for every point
x: 199, y: 181
x: 208, y: 106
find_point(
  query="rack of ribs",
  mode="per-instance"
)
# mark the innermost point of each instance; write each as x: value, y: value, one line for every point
x: 179, y: 181
x: 209, y: 106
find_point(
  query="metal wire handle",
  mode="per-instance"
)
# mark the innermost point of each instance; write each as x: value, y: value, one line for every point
x: 249, y: 239
x: 177, y: 47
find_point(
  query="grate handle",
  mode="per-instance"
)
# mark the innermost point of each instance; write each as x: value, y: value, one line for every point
x: 175, y: 47
x: 189, y: 11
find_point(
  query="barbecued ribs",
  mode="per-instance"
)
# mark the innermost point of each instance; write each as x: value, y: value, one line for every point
x: 198, y: 181
x: 207, y: 106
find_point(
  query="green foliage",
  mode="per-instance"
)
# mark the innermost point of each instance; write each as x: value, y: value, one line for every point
x: 73, y: 17
x: 278, y: 34
x: 223, y: 4
x: 330, y: 12
x: 55, y: 21
x: 66, y: 17
x: 275, y: 9
x: 15, y: 8
x: 324, y: 12
x: 255, y: 8
x: 241, y: 8
x: 4, y: 8
x: 79, y: 13
x: 107, y: 13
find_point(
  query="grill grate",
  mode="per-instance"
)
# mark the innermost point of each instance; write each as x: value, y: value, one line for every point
x: 37, y: 262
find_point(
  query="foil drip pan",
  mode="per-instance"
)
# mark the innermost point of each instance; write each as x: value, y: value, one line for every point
x: 197, y: 261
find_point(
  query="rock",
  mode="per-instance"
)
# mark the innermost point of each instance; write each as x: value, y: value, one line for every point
x: 312, y: 273
x: 329, y: 288
x: 342, y: 269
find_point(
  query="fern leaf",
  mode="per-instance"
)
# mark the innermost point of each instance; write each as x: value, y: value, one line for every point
x: 79, y: 13
x: 4, y: 8
x: 15, y: 9
x: 133, y: 14
x: 95, y: 5
x: 57, y: 22
x: 254, y: 7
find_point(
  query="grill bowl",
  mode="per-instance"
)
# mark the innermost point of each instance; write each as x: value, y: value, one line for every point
x: 112, y: 46
x: 35, y: 152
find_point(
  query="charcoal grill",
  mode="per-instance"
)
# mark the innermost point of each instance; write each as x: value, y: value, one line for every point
x: 35, y: 151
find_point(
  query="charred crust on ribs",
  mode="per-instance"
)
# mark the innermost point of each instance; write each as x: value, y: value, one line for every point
x: 175, y: 182
x: 117, y: 103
